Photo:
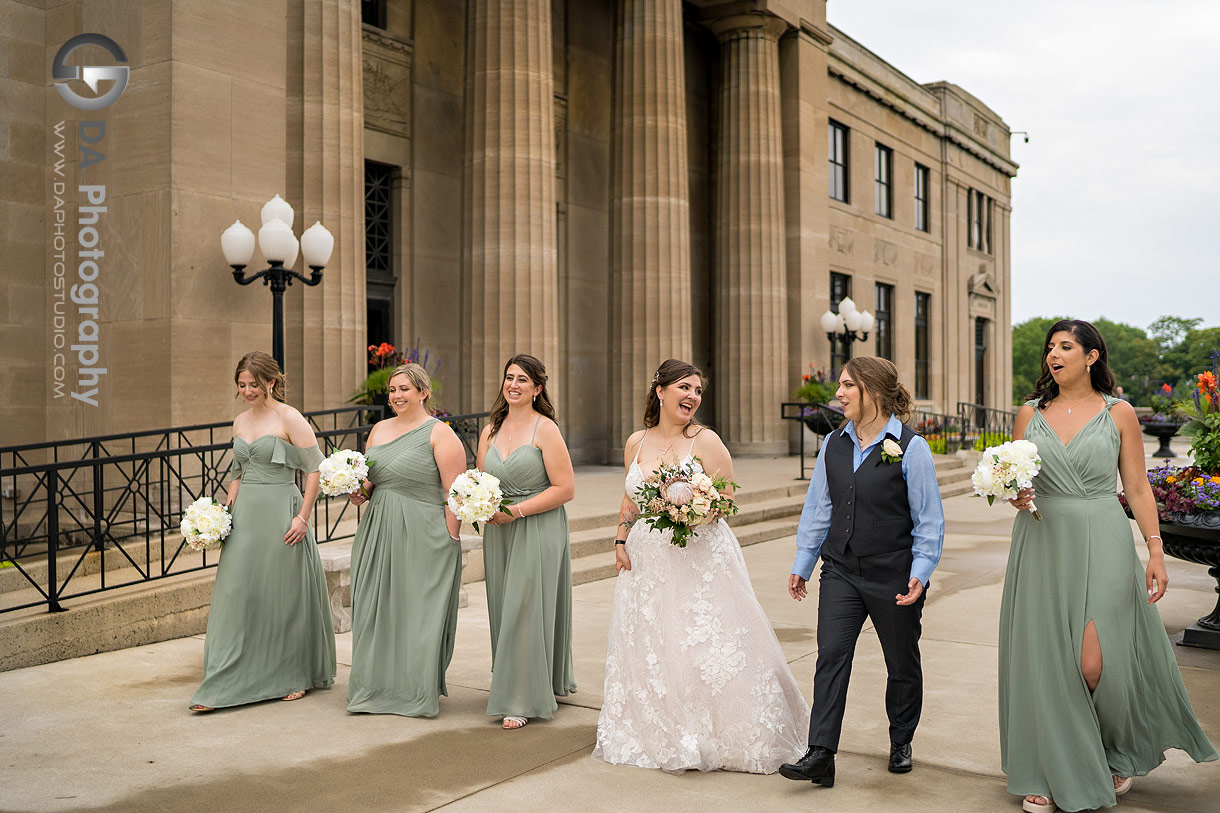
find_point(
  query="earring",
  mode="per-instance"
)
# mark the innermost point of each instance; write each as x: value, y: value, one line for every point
x: 1088, y: 368
x: 661, y: 401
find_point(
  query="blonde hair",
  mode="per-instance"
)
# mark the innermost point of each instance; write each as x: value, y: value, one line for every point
x: 879, y: 378
x: 419, y: 379
x: 265, y: 371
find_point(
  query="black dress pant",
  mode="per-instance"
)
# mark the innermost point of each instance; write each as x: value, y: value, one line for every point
x: 852, y: 589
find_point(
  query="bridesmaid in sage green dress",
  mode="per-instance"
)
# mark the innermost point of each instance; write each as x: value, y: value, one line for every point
x: 525, y: 552
x: 269, y: 627
x: 406, y: 559
x: 1090, y: 692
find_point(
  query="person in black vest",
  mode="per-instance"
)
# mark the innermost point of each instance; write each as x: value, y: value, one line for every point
x: 873, y: 514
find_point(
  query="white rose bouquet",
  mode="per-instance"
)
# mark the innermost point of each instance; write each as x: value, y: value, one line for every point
x: 343, y: 473
x: 1005, y: 470
x: 682, y: 497
x: 475, y: 497
x: 205, y: 524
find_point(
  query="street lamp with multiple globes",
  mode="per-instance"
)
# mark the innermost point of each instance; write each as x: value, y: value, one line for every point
x: 848, y: 325
x: 280, y: 247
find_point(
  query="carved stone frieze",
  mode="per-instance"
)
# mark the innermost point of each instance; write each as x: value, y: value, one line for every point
x: 841, y: 240
x: 925, y: 265
x: 885, y: 253
x: 982, y: 306
x: 387, y: 82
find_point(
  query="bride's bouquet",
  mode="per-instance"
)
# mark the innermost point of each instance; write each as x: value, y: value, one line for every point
x: 343, y: 473
x: 1005, y: 470
x: 475, y: 497
x: 682, y: 497
x: 205, y: 524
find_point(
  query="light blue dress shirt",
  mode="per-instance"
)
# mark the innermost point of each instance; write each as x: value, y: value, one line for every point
x: 923, y: 494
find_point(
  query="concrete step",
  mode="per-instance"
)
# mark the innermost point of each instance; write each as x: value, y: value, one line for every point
x: 173, y: 607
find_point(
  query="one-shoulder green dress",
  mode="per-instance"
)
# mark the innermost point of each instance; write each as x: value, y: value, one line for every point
x: 529, y: 594
x: 1079, y: 564
x: 269, y: 627
x: 406, y: 576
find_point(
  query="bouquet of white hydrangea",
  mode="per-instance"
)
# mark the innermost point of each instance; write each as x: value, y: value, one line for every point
x: 1006, y: 469
x: 343, y: 473
x: 205, y: 524
x: 475, y: 497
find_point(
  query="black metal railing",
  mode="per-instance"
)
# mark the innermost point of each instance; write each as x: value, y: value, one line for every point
x: 944, y: 433
x: 109, y: 497
x: 821, y: 419
x: 983, y: 426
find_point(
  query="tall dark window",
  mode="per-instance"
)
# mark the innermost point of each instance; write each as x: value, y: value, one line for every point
x: 923, y: 309
x: 922, y: 210
x: 379, y: 251
x: 980, y: 362
x: 840, y: 351
x: 884, y: 326
x: 978, y: 217
x: 373, y: 12
x: 838, y: 151
x: 884, y: 165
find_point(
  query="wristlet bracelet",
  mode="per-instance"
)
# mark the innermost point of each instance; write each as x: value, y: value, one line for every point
x: 620, y: 541
x: 1156, y: 537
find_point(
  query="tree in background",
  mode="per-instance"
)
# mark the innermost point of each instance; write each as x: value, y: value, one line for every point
x: 1171, y: 351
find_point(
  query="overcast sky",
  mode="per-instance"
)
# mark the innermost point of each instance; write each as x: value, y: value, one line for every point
x: 1115, y: 203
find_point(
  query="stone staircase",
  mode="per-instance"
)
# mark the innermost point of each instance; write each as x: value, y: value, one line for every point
x: 177, y: 606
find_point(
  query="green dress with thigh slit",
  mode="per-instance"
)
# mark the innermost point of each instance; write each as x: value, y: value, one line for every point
x: 529, y: 594
x: 269, y: 627
x: 1077, y: 565
x: 406, y: 576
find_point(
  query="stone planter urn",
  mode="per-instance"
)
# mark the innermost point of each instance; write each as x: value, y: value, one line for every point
x: 1196, y: 538
x: 1162, y: 431
x: 822, y: 419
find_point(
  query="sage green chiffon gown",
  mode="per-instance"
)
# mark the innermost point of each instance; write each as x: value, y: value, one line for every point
x: 269, y: 627
x: 406, y: 575
x: 529, y: 594
x: 1079, y: 564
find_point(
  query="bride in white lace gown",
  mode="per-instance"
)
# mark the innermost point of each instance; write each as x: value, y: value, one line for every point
x: 695, y: 677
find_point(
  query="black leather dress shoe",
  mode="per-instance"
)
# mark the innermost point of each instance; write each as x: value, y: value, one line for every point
x: 900, y: 757
x: 817, y: 766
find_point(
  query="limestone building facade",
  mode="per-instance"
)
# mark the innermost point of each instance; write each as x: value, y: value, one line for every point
x: 602, y: 183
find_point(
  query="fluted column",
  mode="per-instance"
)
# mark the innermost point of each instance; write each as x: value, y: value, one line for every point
x: 510, y: 251
x: 325, y: 326
x: 750, y: 276
x: 650, y: 237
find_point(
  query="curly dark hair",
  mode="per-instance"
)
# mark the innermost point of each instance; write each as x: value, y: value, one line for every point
x: 533, y: 368
x: 1089, y: 338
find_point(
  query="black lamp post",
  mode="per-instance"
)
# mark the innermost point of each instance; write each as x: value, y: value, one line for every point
x: 280, y: 246
x: 848, y: 325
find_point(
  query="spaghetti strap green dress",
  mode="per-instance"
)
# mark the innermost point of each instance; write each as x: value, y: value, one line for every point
x: 406, y: 576
x: 269, y: 626
x: 529, y: 594
x: 1078, y: 565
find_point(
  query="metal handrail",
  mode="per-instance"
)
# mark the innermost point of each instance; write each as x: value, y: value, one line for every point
x: 130, y: 504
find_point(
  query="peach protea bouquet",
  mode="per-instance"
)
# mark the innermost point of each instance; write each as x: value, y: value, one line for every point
x: 681, y: 497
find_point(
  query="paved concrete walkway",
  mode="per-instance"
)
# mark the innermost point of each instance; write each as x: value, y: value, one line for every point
x: 111, y: 732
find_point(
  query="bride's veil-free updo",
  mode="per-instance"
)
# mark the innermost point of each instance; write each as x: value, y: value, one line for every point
x: 670, y: 371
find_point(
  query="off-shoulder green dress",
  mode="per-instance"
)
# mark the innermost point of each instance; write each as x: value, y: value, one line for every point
x: 406, y: 576
x: 1078, y: 565
x: 269, y: 626
x: 529, y: 594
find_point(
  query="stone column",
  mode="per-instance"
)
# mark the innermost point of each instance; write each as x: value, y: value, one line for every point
x: 750, y: 286
x: 650, y: 232
x: 510, y: 251
x: 325, y: 326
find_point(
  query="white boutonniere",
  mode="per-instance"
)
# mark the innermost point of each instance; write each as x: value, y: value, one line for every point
x: 891, y: 452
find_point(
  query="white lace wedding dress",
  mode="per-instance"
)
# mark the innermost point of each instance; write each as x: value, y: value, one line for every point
x: 695, y: 677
